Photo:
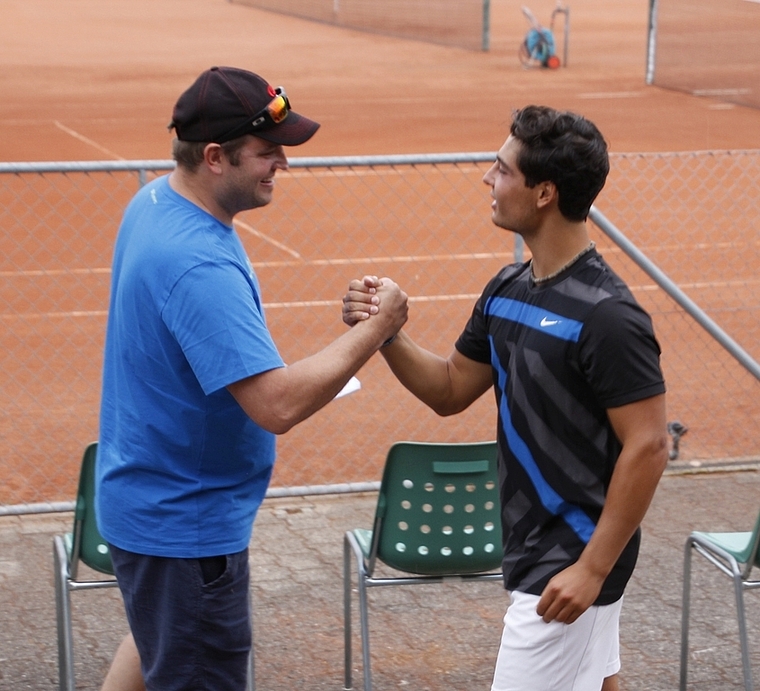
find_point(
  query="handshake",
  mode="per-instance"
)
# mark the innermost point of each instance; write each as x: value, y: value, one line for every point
x: 379, y: 302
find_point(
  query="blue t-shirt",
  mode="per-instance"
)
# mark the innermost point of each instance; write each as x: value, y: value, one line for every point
x: 181, y: 468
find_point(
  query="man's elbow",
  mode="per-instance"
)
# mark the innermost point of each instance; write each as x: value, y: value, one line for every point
x: 657, y: 450
x: 269, y: 410
x: 447, y: 408
x: 276, y: 421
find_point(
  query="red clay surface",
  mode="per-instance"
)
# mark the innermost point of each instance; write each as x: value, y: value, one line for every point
x: 86, y: 79
x: 90, y: 80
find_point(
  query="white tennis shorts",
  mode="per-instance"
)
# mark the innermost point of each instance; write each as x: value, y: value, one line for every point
x: 536, y: 656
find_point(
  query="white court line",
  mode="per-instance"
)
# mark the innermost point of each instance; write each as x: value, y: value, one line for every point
x: 409, y: 259
x: 283, y: 264
x: 86, y: 140
x: 54, y: 272
x: 611, y: 94
x: 266, y: 238
x: 310, y: 304
x: 294, y: 304
x: 391, y: 259
x: 720, y: 92
x: 334, y: 303
x: 35, y: 316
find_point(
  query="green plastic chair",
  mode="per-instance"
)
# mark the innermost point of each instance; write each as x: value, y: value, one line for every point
x: 735, y: 555
x: 83, y: 545
x: 437, y: 517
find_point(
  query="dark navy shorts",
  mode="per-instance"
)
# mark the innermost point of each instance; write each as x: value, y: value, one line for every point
x: 189, y: 617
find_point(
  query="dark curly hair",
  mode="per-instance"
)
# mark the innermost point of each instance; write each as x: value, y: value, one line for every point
x: 565, y: 149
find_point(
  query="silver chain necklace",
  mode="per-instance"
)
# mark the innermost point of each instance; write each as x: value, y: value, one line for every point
x: 554, y: 274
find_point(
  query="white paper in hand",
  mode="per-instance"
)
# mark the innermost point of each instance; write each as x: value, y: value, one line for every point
x: 352, y: 385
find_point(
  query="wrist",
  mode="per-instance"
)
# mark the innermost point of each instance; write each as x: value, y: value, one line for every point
x: 389, y: 341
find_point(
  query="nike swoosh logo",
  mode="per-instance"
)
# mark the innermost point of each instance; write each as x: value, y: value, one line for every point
x: 549, y: 322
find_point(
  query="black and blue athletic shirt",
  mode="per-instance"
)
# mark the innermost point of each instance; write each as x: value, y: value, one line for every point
x: 562, y: 354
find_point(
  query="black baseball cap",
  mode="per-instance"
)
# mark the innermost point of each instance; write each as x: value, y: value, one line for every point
x: 227, y: 102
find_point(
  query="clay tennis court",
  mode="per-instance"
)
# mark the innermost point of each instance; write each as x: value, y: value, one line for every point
x: 87, y: 80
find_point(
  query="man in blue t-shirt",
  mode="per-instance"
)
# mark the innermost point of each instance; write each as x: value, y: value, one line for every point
x: 574, y: 366
x: 194, y: 389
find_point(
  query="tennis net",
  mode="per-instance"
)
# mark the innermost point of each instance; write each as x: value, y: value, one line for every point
x: 706, y: 48
x: 462, y: 23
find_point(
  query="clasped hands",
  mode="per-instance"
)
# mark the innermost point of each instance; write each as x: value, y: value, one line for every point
x: 376, y: 298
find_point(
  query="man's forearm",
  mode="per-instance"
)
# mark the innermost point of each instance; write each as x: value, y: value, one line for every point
x: 423, y: 373
x: 447, y: 385
x: 279, y: 399
x: 632, y: 487
x: 641, y: 429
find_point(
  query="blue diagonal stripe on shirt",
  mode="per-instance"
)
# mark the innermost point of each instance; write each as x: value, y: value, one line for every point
x: 580, y: 523
x: 537, y: 318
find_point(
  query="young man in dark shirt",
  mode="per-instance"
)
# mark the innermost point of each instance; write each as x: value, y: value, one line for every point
x: 574, y: 365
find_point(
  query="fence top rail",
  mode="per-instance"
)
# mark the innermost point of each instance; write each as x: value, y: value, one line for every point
x: 83, y: 166
x: 392, y: 160
x: 319, y: 161
x: 302, y: 162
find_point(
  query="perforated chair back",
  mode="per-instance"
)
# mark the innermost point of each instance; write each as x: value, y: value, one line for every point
x: 438, y: 509
x: 88, y: 544
x: 437, y: 519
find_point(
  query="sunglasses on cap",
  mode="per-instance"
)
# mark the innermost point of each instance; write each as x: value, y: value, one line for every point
x: 269, y: 116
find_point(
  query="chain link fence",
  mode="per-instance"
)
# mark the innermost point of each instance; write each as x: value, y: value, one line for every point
x: 424, y: 221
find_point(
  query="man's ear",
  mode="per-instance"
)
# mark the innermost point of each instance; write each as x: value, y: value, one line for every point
x: 546, y: 193
x: 213, y: 156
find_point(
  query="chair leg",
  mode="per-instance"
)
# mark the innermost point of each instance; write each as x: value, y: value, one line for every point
x: 347, y: 662
x: 741, y: 617
x: 63, y: 616
x: 685, y: 614
x: 735, y: 574
x: 364, y: 624
x: 350, y: 545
